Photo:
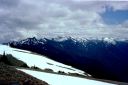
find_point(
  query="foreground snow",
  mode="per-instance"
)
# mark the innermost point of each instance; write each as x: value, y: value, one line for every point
x: 54, y: 79
x: 38, y: 60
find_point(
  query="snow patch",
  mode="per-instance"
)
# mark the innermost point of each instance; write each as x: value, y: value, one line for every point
x: 54, y: 79
x: 38, y: 60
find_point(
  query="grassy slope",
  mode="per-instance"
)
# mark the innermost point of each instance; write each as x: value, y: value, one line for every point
x: 9, y: 75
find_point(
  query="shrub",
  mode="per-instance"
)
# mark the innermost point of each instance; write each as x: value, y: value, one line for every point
x: 48, y: 70
x: 61, y: 72
x: 10, y: 60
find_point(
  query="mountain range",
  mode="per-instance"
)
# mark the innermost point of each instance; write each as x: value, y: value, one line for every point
x: 104, y: 58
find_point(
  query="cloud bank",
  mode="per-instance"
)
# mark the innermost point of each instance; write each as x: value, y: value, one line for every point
x: 41, y: 18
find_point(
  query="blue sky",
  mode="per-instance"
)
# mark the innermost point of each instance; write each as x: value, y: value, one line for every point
x: 20, y: 19
x: 111, y: 16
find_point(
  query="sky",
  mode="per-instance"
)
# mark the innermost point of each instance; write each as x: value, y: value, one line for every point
x: 20, y: 19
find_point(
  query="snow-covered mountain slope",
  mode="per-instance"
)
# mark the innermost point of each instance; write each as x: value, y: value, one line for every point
x: 38, y: 60
x: 32, y: 59
x: 104, y: 58
x: 54, y: 79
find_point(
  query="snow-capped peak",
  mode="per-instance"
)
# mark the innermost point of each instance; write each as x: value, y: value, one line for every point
x: 59, y: 39
x: 110, y: 40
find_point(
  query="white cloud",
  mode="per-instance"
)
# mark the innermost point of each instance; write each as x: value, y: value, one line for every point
x: 27, y: 18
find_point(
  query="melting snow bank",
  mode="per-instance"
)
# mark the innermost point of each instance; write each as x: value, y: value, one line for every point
x: 55, y: 79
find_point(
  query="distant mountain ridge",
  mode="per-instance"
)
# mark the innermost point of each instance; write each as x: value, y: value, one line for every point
x: 102, y: 58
